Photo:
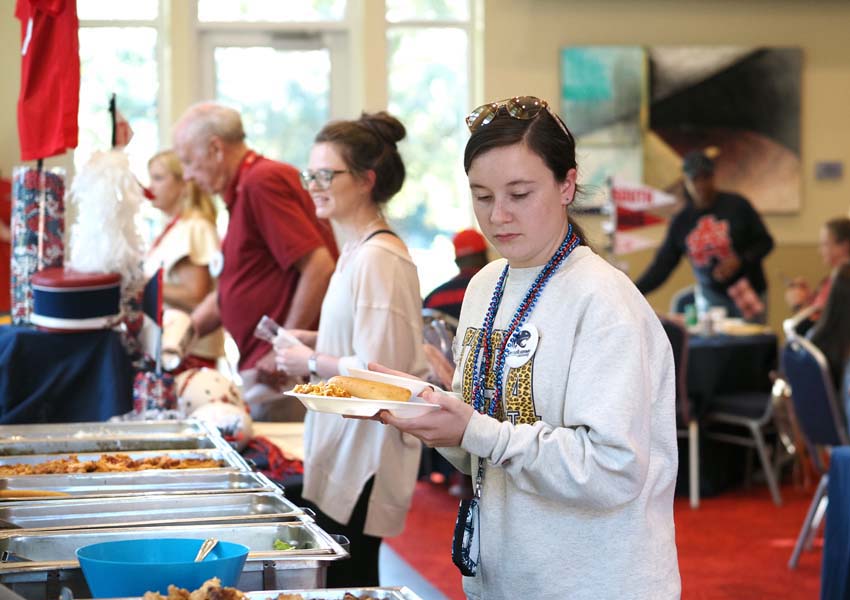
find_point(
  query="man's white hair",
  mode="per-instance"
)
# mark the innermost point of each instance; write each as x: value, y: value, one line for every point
x: 204, y: 120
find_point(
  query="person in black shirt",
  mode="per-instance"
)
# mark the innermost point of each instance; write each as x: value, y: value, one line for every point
x: 470, y: 257
x: 723, y: 236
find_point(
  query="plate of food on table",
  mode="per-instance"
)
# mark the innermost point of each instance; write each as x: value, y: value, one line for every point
x: 365, y: 395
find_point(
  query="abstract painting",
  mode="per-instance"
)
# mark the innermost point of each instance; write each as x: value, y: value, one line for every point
x: 636, y: 111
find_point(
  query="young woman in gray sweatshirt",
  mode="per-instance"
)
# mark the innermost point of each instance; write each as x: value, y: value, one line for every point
x: 563, y: 402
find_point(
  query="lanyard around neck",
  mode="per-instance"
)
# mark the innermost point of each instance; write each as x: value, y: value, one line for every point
x: 483, y: 353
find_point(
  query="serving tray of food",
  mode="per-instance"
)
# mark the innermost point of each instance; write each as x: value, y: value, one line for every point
x: 106, y: 462
x: 122, y: 429
x: 211, y: 590
x: 368, y: 593
x: 145, y: 511
x: 32, y: 563
x: 95, y: 485
x: 66, y: 438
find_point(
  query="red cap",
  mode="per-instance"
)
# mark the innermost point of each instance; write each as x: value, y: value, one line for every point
x: 469, y: 241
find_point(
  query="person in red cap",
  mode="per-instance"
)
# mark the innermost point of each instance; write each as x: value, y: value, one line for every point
x: 470, y: 257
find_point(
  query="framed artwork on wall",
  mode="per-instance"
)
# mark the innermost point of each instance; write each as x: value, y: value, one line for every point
x: 655, y: 104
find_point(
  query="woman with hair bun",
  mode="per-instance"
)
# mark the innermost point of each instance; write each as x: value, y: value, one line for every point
x: 184, y: 249
x: 360, y: 475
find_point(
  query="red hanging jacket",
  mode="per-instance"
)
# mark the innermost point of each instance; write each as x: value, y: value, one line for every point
x: 50, y: 77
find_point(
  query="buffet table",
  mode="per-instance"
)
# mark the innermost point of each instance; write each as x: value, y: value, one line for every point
x: 63, y: 377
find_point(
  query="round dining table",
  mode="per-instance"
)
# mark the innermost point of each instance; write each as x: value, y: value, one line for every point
x: 728, y: 364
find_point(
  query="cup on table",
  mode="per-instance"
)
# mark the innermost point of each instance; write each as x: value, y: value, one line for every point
x: 716, y: 317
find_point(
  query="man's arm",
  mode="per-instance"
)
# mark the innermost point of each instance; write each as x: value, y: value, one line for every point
x: 206, y: 318
x: 663, y: 263
x: 316, y: 268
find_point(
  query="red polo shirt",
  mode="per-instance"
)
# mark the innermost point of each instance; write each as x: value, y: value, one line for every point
x: 272, y: 225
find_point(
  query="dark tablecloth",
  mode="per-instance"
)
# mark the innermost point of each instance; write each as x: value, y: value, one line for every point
x: 835, y: 568
x: 719, y: 365
x: 62, y: 377
x: 728, y: 364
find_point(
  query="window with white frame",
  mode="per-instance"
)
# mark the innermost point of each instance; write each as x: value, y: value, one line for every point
x: 119, y: 54
x: 283, y: 65
x: 429, y: 63
x: 287, y: 67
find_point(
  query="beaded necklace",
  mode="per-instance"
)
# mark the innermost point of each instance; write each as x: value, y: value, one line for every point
x: 482, y: 366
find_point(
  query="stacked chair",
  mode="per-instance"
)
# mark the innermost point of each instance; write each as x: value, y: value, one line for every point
x: 820, y: 419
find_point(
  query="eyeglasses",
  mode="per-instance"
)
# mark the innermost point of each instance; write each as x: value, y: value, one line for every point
x: 523, y: 108
x: 322, y: 177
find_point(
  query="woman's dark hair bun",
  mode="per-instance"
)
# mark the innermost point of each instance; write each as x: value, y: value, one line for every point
x: 384, y: 125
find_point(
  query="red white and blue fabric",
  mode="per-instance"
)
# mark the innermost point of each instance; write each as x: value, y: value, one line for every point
x: 26, y: 194
x: 152, y: 391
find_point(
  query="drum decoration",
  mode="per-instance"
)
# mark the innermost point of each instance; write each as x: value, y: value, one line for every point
x: 67, y: 301
x: 38, y: 230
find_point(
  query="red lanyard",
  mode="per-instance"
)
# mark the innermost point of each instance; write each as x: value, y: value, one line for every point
x: 165, y: 231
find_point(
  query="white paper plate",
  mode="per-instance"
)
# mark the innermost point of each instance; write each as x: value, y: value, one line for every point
x: 414, y: 385
x: 360, y: 407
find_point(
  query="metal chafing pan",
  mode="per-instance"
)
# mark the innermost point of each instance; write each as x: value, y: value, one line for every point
x: 148, y: 510
x: 228, y: 456
x: 379, y: 593
x: 106, y: 429
x: 42, y: 562
x: 107, y: 437
x: 94, y: 485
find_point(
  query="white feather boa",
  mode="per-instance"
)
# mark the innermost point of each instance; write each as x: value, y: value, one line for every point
x: 104, y: 238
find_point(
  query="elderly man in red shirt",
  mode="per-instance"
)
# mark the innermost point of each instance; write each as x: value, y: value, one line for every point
x: 277, y: 256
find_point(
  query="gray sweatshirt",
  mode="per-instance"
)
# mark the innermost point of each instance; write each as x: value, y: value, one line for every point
x: 577, y: 499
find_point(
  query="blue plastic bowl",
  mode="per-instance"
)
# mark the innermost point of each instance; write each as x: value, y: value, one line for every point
x: 133, y: 567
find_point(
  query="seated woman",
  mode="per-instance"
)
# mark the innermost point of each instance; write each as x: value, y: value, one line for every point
x: 184, y: 249
x: 835, y: 251
x: 831, y: 333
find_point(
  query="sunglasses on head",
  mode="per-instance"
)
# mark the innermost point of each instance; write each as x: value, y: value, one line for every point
x: 322, y: 177
x: 523, y: 108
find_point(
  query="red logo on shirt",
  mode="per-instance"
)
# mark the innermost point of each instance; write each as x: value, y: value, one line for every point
x: 709, y: 239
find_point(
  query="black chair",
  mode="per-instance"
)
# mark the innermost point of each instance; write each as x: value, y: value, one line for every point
x: 821, y: 422
x: 686, y: 423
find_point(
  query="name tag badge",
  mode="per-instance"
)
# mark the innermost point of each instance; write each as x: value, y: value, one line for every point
x: 216, y: 265
x: 522, y: 346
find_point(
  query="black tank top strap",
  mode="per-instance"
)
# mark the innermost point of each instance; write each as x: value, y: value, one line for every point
x: 374, y: 233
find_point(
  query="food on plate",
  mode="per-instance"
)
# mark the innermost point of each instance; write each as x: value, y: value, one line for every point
x: 372, y: 390
x: 281, y: 545
x: 107, y: 463
x: 321, y: 389
x: 733, y: 328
